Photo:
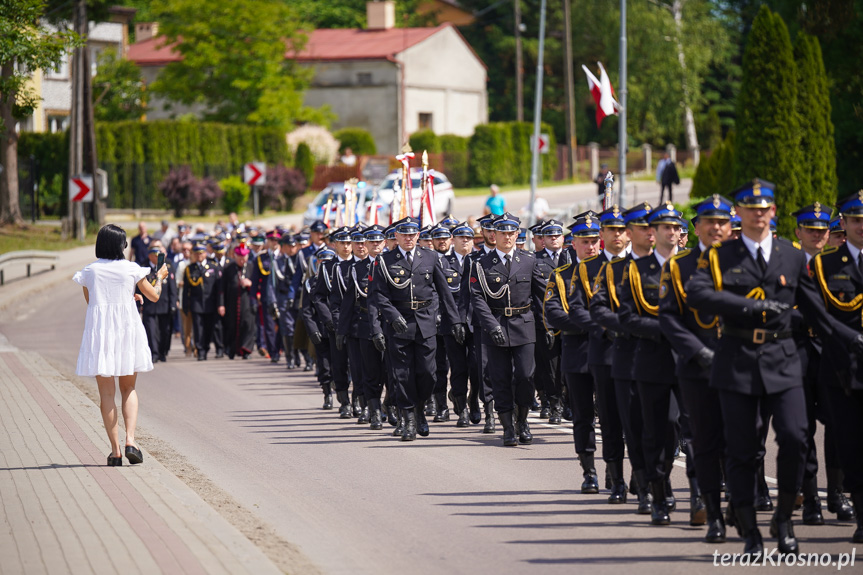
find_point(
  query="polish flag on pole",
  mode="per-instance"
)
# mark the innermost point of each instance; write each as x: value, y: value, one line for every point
x: 603, y: 94
x: 428, y: 197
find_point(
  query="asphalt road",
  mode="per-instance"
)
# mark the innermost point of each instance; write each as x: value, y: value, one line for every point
x: 360, y: 501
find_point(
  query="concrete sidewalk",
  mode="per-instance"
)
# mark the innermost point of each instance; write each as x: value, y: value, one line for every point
x: 64, y: 511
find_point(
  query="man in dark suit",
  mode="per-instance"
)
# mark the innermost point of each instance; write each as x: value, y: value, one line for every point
x: 441, y: 238
x: 502, y: 283
x: 654, y: 362
x: 264, y: 286
x: 203, y: 297
x: 752, y: 283
x: 158, y: 316
x: 612, y: 233
x: 695, y: 337
x: 838, y: 272
x: 316, y: 330
x: 286, y: 266
x: 406, y: 284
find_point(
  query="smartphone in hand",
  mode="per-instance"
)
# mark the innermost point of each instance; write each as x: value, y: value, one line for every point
x: 161, y: 261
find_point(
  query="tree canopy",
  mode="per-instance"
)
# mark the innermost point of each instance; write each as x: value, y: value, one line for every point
x: 118, y: 88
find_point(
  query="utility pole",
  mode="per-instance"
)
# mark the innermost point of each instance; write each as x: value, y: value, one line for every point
x: 570, y: 86
x: 537, y: 116
x: 76, y: 134
x: 519, y: 64
x: 621, y: 132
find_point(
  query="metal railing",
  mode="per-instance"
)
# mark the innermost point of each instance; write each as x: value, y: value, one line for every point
x: 31, y: 257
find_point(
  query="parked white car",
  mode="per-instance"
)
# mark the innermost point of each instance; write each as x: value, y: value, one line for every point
x: 315, y: 209
x: 390, y: 188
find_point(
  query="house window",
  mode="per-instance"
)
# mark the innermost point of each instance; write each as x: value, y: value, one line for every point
x: 57, y: 123
x: 364, y: 78
x: 61, y: 72
x: 425, y: 121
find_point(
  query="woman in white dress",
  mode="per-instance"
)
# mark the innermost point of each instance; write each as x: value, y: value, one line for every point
x: 114, y: 342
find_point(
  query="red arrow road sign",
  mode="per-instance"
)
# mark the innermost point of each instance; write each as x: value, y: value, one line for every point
x: 255, y: 173
x: 81, y: 189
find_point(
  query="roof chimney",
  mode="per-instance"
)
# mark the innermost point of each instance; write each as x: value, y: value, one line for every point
x: 146, y: 30
x: 380, y: 15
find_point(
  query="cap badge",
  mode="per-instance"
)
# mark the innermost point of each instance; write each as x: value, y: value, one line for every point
x: 588, y: 221
x: 716, y: 201
x: 756, y: 188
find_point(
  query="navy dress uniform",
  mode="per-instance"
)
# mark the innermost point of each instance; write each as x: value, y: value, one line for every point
x: 654, y: 368
x: 215, y: 260
x: 809, y: 348
x: 558, y: 313
x: 203, y: 296
x: 284, y: 270
x: 318, y: 334
x: 752, y: 285
x: 362, y: 332
x: 484, y: 391
x: 695, y: 337
x: 404, y: 288
x: 599, y: 352
x: 158, y: 316
x: 502, y: 287
x: 838, y: 273
x: 438, y: 404
x: 604, y: 308
x: 326, y: 299
x: 264, y: 283
x: 461, y: 356
x: 548, y: 376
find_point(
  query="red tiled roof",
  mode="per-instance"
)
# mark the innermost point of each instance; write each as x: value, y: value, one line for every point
x: 322, y: 45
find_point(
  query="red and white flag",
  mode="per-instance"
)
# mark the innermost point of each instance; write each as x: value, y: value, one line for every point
x: 428, y: 198
x: 603, y: 94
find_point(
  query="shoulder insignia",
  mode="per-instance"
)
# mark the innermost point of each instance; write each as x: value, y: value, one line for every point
x: 703, y: 263
x: 829, y: 249
x: 717, y: 244
x: 585, y: 260
x: 681, y: 254
x: 563, y: 267
x: 797, y: 245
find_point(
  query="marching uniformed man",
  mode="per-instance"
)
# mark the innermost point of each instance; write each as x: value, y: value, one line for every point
x: 158, y: 316
x: 838, y: 273
x: 264, y: 286
x: 330, y: 288
x: 612, y: 233
x: 837, y: 234
x: 215, y: 247
x: 502, y: 284
x: 405, y: 285
x: 441, y: 237
x: 314, y: 327
x: 604, y: 307
x: 203, y: 297
x: 286, y: 266
x: 752, y: 283
x: 695, y: 337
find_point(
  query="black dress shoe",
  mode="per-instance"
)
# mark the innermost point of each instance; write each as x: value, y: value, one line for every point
x: 837, y: 503
x: 134, y: 455
x: 392, y: 415
x: 220, y: 354
x: 747, y: 527
x: 410, y: 427
x: 115, y: 461
x: 544, y: 413
x: 522, y: 427
x: 618, y: 485
x: 567, y: 413
x: 489, y: 418
x: 715, y: 524
x: 658, y: 510
x: 328, y: 396
x: 588, y: 469
x: 400, y: 425
x: 474, y: 410
x: 642, y: 491
x: 783, y: 530
x: 812, y: 511
x: 201, y: 356
x: 763, y: 503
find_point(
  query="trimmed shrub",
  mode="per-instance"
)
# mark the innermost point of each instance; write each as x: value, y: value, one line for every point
x: 456, y: 158
x: 425, y: 140
x: 500, y: 154
x: 180, y: 188
x: 359, y: 140
x: 236, y: 194
x: 209, y: 194
x: 305, y: 162
x: 283, y: 187
x: 322, y: 144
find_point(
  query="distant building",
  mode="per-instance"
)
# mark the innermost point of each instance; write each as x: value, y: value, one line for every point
x: 390, y: 81
x: 55, y: 86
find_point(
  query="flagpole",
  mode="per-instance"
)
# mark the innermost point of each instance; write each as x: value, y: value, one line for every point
x: 537, y: 112
x: 622, y: 141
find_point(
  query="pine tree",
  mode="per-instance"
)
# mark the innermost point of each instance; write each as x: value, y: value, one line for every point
x: 817, y: 144
x: 768, y: 128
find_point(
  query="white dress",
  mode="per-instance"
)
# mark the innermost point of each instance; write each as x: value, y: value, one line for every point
x: 114, y: 341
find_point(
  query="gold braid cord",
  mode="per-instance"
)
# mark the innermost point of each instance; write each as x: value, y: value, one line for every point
x: 613, y: 302
x: 828, y: 296
x: 638, y: 295
x: 554, y: 282
x: 680, y: 293
x: 193, y: 283
x: 585, y: 281
x: 261, y: 267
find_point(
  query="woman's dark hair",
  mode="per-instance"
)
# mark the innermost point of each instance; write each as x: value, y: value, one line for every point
x: 111, y: 242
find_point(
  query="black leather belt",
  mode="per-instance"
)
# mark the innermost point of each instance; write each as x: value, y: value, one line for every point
x: 510, y: 311
x: 573, y: 332
x: 757, y: 336
x: 411, y: 305
x: 365, y: 309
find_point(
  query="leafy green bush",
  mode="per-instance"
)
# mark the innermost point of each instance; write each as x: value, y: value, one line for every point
x: 236, y: 194
x: 305, y: 162
x: 425, y: 140
x: 500, y: 154
x: 455, y: 159
x: 359, y: 140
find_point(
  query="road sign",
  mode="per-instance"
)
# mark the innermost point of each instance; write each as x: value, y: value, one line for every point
x: 544, y: 143
x: 255, y: 173
x: 81, y: 188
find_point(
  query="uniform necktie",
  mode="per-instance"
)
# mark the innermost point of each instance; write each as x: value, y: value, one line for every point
x: 508, y: 261
x: 555, y: 257
x: 860, y: 262
x: 762, y: 263
x: 410, y: 259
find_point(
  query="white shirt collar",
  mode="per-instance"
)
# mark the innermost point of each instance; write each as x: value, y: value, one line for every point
x: 487, y: 249
x: 610, y: 256
x: 502, y: 254
x: 766, y: 246
x: 551, y: 252
x: 661, y: 259
x: 855, y: 253
x: 701, y: 246
x: 405, y: 254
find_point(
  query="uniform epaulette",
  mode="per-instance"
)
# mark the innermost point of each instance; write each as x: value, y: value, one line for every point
x: 530, y: 254
x: 617, y: 259
x: 563, y: 267
x: 797, y: 245
x: 585, y: 260
x: 829, y: 250
x: 681, y: 254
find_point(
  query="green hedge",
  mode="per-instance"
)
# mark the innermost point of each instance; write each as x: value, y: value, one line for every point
x: 425, y: 140
x: 500, y: 154
x: 52, y: 165
x: 360, y: 141
x: 456, y: 159
x: 137, y: 155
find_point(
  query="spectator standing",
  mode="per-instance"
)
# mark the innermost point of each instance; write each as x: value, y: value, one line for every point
x: 495, y: 204
x: 348, y: 158
x: 141, y: 246
x: 599, y: 180
x: 165, y: 234
x: 669, y: 178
